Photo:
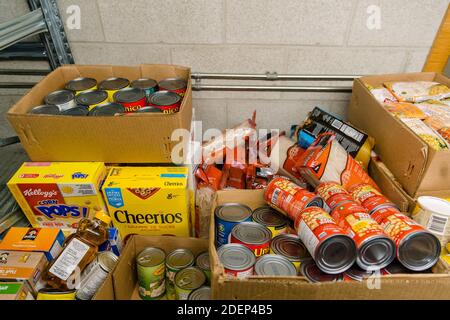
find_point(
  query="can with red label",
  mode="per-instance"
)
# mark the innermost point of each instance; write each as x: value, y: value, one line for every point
x: 369, y: 197
x: 333, y: 194
x: 254, y: 236
x: 176, y: 85
x: 357, y: 274
x: 237, y: 260
x: 313, y: 274
x: 132, y: 99
x: 333, y: 250
x: 168, y: 102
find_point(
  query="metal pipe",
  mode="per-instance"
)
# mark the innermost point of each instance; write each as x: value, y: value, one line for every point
x: 272, y: 77
x: 24, y: 72
x: 16, y: 85
x: 205, y: 87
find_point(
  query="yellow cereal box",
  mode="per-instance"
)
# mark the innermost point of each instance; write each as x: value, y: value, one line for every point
x: 148, y: 200
x: 58, y: 194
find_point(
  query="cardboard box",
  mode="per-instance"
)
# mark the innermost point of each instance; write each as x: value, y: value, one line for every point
x: 122, y: 283
x: 15, y: 291
x: 418, y: 167
x: 400, y: 286
x: 46, y: 240
x: 136, y: 138
x: 58, y: 194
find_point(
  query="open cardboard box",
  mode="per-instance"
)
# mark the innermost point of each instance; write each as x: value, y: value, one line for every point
x: 136, y: 138
x: 418, y: 167
x: 122, y: 283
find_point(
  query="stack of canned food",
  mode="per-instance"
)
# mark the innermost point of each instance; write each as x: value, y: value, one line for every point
x: 178, y: 275
x: 114, y: 96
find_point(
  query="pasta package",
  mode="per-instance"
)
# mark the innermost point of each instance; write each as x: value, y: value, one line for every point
x: 382, y: 95
x: 418, y: 91
x: 405, y: 110
x: 431, y: 137
x: 438, y: 114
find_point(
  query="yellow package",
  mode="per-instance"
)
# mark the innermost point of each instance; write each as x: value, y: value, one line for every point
x: 58, y: 194
x: 431, y: 137
x: 149, y: 200
x: 418, y: 91
x: 405, y: 110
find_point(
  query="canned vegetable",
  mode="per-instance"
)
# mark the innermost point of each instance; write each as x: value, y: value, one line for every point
x: 151, y: 269
x: 188, y: 280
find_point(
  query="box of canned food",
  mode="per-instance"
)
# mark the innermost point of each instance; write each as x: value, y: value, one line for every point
x: 113, y: 114
x: 291, y: 270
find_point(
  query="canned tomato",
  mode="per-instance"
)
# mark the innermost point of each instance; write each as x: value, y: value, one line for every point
x: 63, y: 99
x: 271, y: 219
x: 291, y: 247
x: 274, y: 265
x: 313, y: 274
x: 187, y: 281
x: 176, y: 85
x: 369, y: 197
x: 46, y: 109
x: 132, y: 99
x: 148, y: 85
x: 176, y: 260
x: 357, y: 274
x: 226, y: 217
x: 417, y: 248
x: 107, y: 109
x: 202, y: 262
x: 254, y: 236
x: 81, y: 84
x: 237, y: 260
x: 333, y: 194
x: 151, y: 269
x: 289, y: 198
x: 77, y: 111
x: 168, y: 102
x: 203, y: 293
x: 55, y: 294
x: 95, y: 274
x: 149, y: 109
x: 112, y: 85
x: 333, y: 250
x: 92, y: 98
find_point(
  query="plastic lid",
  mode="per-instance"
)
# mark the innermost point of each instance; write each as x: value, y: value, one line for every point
x: 433, y: 204
x: 101, y: 215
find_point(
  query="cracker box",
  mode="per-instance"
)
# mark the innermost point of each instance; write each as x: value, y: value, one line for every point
x: 58, y: 194
x: 148, y: 200
x: 15, y: 291
x: 46, y: 240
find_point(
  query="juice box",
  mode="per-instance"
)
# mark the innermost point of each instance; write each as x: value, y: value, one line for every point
x: 148, y: 200
x: 46, y: 240
x: 15, y: 291
x: 58, y: 194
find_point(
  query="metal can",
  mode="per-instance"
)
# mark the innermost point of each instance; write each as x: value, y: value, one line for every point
x: 63, y: 99
x: 148, y: 85
x: 237, y: 260
x: 112, y: 85
x: 81, y: 84
x: 149, y: 109
x: 254, y: 236
x: 188, y: 280
x: 132, y: 99
x: 176, y: 85
x: 271, y: 219
x: 333, y: 250
x: 313, y: 274
x: 151, y: 269
x: 417, y: 248
x: 176, y: 260
x: 289, y: 198
x: 55, y: 294
x: 48, y: 109
x: 168, y: 102
x: 333, y: 194
x: 369, y: 197
x: 375, y: 249
x: 77, y: 111
x: 395, y: 268
x: 107, y: 109
x: 274, y: 265
x: 291, y: 247
x: 202, y: 293
x: 226, y: 217
x: 92, y: 98
x: 202, y: 262
x: 357, y: 274
x: 95, y: 274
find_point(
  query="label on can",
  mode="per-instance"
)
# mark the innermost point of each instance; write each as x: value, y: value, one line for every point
x: 131, y: 107
x: 223, y: 230
x: 329, y: 189
x: 242, y: 274
x: 151, y: 281
x: 397, y: 226
x: 91, y: 280
x: 258, y: 249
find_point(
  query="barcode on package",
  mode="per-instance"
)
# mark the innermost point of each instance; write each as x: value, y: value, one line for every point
x: 437, y: 224
x: 349, y: 131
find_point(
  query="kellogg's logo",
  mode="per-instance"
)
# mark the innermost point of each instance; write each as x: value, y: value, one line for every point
x: 62, y: 211
x: 53, y: 176
x: 39, y: 192
x: 79, y: 175
x: 28, y: 175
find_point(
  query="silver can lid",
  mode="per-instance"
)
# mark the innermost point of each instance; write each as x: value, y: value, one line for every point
x: 144, y: 83
x: 395, y: 268
x: 59, y: 97
x: 149, y: 109
x: 190, y: 278
x: 151, y: 257
x: 336, y: 254
x: 45, y: 109
x: 202, y: 261
x: 107, y: 109
x: 113, y: 83
x: 90, y: 97
x: 107, y: 260
x: 376, y: 253
x: 129, y: 95
x: 164, y: 98
x: 81, y: 84
x: 173, y: 84
x: 233, y: 212
x: 180, y: 259
x: 268, y: 217
x: 311, y: 271
x: 358, y: 274
x: 289, y: 246
x: 202, y: 293
x: 251, y: 233
x: 274, y: 265
x: 236, y: 257
x: 76, y: 111
x: 419, y: 251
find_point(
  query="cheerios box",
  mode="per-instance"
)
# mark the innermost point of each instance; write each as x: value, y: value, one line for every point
x: 148, y: 200
x: 58, y: 194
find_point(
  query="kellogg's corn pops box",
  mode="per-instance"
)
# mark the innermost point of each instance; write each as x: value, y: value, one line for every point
x: 58, y: 194
x: 148, y: 200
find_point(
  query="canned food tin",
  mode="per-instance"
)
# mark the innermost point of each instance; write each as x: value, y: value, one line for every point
x: 168, y: 102
x: 151, y: 269
x: 357, y: 274
x: 369, y: 197
x: 148, y: 85
x: 55, y: 294
x: 132, y: 99
x: 202, y: 262
x: 45, y: 109
x: 291, y: 247
x: 274, y: 265
x: 63, y: 99
x: 176, y: 85
x: 77, y: 111
x: 107, y: 109
x: 112, y: 85
x: 149, y: 109
x: 92, y: 98
x: 333, y: 250
x: 226, y: 217
x: 203, y: 293
x: 188, y: 280
x: 81, y: 84
x: 290, y: 198
x: 254, y: 236
x: 333, y: 194
x: 434, y: 214
x: 271, y: 219
x: 176, y: 260
x: 395, y: 268
x: 95, y: 274
x: 237, y: 260
x: 312, y: 272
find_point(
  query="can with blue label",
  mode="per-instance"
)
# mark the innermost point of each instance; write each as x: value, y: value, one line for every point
x: 226, y: 217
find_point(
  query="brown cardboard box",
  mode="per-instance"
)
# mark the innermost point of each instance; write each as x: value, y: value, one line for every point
x: 416, y: 166
x: 122, y: 284
x: 133, y: 138
x: 410, y: 286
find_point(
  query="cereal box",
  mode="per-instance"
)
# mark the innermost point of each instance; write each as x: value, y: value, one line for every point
x: 15, y: 291
x: 58, y: 194
x: 148, y: 200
